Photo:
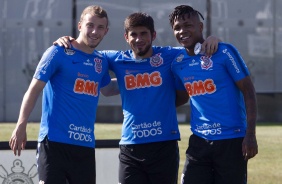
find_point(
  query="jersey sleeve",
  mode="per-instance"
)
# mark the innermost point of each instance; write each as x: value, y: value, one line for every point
x: 175, y: 67
x: 110, y: 56
x: 234, y: 63
x: 106, y: 79
x: 48, y: 64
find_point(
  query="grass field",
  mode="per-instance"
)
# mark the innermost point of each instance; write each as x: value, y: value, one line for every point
x: 265, y: 168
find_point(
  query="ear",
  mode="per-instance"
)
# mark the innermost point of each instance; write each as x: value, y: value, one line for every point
x: 126, y: 37
x: 201, y: 26
x: 106, y: 31
x: 79, y: 26
x: 154, y: 35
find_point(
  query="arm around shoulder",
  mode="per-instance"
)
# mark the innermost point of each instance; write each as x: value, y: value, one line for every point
x: 111, y: 89
x: 181, y: 97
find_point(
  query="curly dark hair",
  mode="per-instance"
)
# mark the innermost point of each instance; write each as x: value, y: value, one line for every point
x: 180, y: 11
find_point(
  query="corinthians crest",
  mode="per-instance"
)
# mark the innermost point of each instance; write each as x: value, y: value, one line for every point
x: 156, y: 60
x: 18, y: 175
x: 206, y: 62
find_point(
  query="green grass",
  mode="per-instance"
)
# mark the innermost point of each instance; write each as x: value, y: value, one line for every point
x: 265, y: 168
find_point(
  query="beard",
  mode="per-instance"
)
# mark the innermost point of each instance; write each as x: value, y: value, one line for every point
x: 143, y: 52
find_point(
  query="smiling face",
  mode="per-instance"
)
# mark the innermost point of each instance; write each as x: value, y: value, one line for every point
x: 92, y: 30
x: 140, y: 40
x: 188, y: 30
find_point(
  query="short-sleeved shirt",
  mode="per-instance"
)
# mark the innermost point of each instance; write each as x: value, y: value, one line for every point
x: 217, y: 104
x: 69, y: 102
x: 148, y: 93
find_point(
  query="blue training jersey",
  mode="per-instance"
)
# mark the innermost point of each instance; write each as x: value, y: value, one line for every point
x: 73, y: 81
x: 148, y: 95
x: 217, y: 104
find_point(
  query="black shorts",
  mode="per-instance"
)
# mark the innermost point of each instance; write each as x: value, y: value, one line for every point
x: 152, y: 163
x: 214, y: 162
x: 60, y: 163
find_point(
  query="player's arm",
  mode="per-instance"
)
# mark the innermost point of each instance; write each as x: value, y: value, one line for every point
x: 181, y: 97
x: 210, y: 45
x: 249, y: 145
x: 64, y: 41
x: 18, y: 139
x: 111, y: 89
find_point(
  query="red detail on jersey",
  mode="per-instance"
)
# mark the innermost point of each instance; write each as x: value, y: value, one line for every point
x: 200, y: 87
x: 86, y: 87
x: 142, y: 80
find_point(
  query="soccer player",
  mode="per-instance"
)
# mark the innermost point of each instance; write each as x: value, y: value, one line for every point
x: 70, y: 80
x: 223, y: 105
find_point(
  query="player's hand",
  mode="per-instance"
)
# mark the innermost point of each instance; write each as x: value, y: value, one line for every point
x: 210, y: 45
x: 18, y: 140
x: 249, y: 146
x: 64, y: 41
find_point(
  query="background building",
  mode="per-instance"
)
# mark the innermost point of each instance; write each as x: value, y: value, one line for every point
x: 28, y: 28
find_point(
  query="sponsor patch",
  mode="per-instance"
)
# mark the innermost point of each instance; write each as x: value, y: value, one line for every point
x: 193, y: 63
x: 69, y: 52
x: 180, y: 58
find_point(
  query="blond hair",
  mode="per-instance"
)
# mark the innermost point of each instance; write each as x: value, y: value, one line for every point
x: 94, y: 10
